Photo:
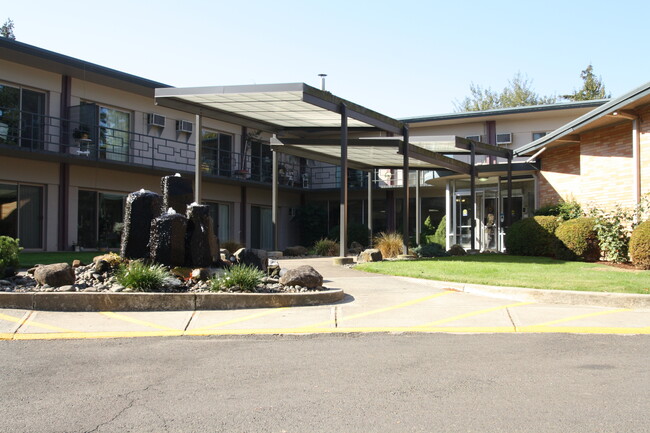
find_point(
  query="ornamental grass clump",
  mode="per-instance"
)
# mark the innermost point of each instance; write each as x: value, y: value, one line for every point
x: 326, y: 247
x: 390, y: 244
x: 142, y: 277
x: 244, y: 277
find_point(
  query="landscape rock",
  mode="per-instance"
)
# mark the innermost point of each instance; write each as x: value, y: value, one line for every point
x: 457, y: 250
x: 295, y: 251
x: 252, y: 257
x: 141, y: 207
x: 305, y: 276
x: 370, y: 255
x: 76, y: 263
x: 355, y: 248
x: 102, y: 266
x: 55, y: 275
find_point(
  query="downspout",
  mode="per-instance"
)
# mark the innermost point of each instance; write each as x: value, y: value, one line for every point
x: 636, y: 159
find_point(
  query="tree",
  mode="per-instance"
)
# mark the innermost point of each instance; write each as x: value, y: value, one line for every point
x: 592, y: 87
x: 517, y: 93
x: 7, y: 29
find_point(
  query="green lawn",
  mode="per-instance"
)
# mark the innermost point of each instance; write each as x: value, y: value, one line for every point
x: 518, y: 271
x: 28, y: 260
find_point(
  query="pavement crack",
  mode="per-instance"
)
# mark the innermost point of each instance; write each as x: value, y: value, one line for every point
x: 189, y: 321
x: 336, y: 317
x: 511, y: 319
x: 23, y: 322
x: 127, y: 407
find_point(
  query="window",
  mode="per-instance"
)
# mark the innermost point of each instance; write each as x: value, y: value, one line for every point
x: 220, y: 214
x: 217, y: 153
x: 21, y: 214
x: 114, y: 128
x: 261, y: 228
x: 22, y: 114
x: 261, y: 162
x: 100, y: 218
x: 538, y: 135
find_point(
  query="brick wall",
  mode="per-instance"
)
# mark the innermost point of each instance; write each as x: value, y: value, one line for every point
x: 598, y: 171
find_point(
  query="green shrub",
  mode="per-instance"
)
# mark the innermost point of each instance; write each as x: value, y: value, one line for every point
x: 640, y: 246
x: 9, y: 250
x: 440, y: 236
x: 457, y: 250
x: 533, y: 236
x: 565, y: 210
x: 577, y: 240
x: 326, y: 247
x: 142, y: 277
x: 430, y: 250
x: 312, y: 222
x: 356, y: 233
x: 390, y: 244
x: 613, y: 229
x: 246, y: 277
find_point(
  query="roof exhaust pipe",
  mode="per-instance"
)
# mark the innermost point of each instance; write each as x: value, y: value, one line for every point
x: 322, y: 81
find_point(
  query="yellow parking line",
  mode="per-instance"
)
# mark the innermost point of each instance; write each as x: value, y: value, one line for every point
x: 240, y: 319
x: 380, y: 310
x: 583, y: 316
x: 30, y: 322
x: 473, y: 313
x: 137, y: 321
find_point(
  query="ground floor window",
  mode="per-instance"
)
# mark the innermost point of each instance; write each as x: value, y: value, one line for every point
x: 21, y: 213
x: 261, y: 228
x: 100, y: 219
x: 220, y: 214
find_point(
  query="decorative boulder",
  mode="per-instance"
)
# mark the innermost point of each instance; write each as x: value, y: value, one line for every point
x: 370, y: 255
x: 177, y: 193
x: 355, y: 248
x: 252, y: 257
x: 199, y: 232
x: 304, y: 276
x: 141, y: 207
x: 295, y: 251
x: 55, y: 275
x: 456, y: 250
x: 168, y: 239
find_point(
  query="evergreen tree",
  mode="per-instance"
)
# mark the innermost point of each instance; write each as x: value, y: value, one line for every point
x: 7, y: 29
x: 592, y: 87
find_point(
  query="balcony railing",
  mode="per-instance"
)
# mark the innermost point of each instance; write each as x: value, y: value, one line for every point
x: 75, y: 140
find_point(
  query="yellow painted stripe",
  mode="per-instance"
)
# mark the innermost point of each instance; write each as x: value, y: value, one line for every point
x: 381, y: 310
x: 227, y: 332
x: 6, y: 336
x: 583, y: 316
x: 33, y: 323
x: 473, y: 313
x: 124, y: 318
x: 241, y: 319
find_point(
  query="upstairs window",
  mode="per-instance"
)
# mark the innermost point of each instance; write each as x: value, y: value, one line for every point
x: 22, y: 117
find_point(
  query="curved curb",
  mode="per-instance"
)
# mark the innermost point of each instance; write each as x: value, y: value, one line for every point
x: 92, y: 301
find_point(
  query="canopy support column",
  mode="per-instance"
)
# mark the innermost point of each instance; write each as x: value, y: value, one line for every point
x: 198, y: 135
x: 472, y: 200
x: 405, y: 176
x: 418, y: 208
x: 343, y: 234
x: 369, y: 216
x: 508, y: 218
x: 274, y: 200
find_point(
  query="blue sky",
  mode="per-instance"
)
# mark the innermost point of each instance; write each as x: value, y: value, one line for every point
x: 401, y: 58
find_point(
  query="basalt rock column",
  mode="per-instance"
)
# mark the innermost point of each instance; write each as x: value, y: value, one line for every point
x: 199, y: 234
x: 167, y: 245
x: 177, y: 193
x: 141, y: 207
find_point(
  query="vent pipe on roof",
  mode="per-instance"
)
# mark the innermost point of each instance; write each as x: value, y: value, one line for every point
x: 322, y: 81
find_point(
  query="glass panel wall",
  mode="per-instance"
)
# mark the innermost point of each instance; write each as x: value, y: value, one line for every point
x: 100, y: 219
x: 21, y: 117
x: 220, y: 214
x: 216, y: 153
x: 21, y: 214
x: 261, y: 228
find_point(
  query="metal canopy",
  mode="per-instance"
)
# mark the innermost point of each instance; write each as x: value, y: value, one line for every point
x: 273, y: 107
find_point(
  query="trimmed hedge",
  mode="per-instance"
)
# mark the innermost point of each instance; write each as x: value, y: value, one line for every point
x: 577, y: 240
x: 640, y: 246
x: 533, y: 236
x: 430, y: 250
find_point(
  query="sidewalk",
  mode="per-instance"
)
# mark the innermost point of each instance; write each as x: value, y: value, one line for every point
x: 373, y: 303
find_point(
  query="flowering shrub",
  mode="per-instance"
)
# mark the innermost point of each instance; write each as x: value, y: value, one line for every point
x: 245, y: 277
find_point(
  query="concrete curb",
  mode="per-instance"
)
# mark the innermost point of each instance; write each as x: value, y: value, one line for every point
x: 568, y: 297
x: 64, y: 301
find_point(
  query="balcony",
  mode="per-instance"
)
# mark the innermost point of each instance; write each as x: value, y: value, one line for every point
x: 54, y: 138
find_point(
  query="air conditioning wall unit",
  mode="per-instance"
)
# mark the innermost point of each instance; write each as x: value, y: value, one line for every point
x: 505, y: 138
x: 184, y: 126
x: 474, y: 137
x: 154, y: 119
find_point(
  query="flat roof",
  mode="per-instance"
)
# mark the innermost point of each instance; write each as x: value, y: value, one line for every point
x: 274, y: 107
